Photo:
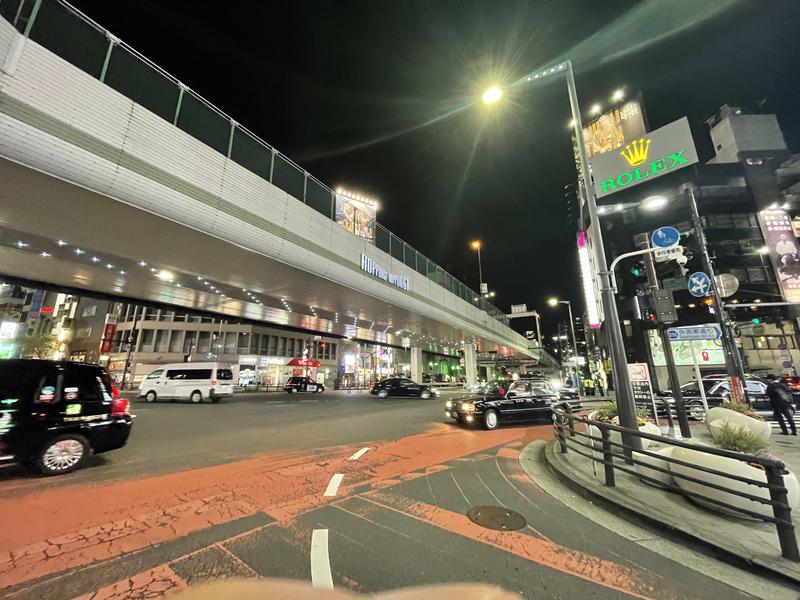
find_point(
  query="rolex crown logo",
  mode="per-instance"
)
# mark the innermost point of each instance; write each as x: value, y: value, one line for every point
x: 636, y: 152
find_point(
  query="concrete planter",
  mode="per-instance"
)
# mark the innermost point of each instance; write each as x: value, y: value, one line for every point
x: 733, y: 467
x: 717, y: 416
x: 663, y: 478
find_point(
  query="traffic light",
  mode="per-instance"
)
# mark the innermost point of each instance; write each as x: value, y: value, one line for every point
x: 638, y: 269
x: 755, y: 321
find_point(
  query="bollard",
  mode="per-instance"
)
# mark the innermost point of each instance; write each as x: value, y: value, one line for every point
x: 608, y: 458
x: 782, y: 512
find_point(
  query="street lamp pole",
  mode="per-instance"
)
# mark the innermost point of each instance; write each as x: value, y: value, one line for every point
x: 476, y: 245
x: 622, y: 382
x: 572, y: 331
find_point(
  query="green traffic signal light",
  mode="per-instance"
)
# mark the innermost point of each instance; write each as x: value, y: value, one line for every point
x: 756, y: 321
x: 637, y: 269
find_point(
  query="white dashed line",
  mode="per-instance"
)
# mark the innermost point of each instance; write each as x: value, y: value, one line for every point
x: 320, y: 562
x: 359, y: 454
x: 333, y: 485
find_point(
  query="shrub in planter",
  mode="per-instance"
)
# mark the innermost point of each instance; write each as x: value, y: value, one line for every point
x: 738, y: 438
x: 718, y: 415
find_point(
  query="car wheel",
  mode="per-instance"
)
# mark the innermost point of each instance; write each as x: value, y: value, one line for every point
x: 293, y: 391
x: 319, y: 390
x: 62, y: 454
x: 151, y: 396
x: 425, y: 394
x: 196, y: 397
x: 697, y: 412
x: 383, y: 394
x: 490, y: 420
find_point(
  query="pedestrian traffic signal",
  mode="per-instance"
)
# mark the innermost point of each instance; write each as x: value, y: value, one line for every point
x: 756, y: 320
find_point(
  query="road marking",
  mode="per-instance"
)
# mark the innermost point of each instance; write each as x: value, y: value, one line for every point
x: 320, y: 562
x: 333, y: 485
x: 359, y: 454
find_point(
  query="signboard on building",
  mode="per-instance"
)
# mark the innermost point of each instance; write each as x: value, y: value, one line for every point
x: 665, y: 150
x: 519, y: 308
x: 373, y: 268
x: 589, y: 281
x: 776, y: 227
x: 109, y: 330
x: 615, y: 128
x: 356, y: 213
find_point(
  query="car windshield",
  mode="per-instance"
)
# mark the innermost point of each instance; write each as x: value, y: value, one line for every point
x: 542, y: 388
x: 692, y: 387
x: 490, y: 388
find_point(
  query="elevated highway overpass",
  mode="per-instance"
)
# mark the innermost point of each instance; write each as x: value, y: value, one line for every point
x: 118, y: 179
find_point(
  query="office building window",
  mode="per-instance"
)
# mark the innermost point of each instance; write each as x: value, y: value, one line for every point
x: 273, y: 345
x: 230, y: 342
x: 281, y: 346
x: 176, y: 341
x: 244, y: 343
x: 204, y: 341
x: 254, y: 338
x: 166, y: 315
x: 161, y: 340
x: 264, y: 345
x: 147, y: 340
x: 290, y: 347
x: 189, y: 342
x: 149, y: 314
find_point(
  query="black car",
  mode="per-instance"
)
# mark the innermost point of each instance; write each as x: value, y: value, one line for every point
x: 523, y: 400
x: 302, y: 384
x: 398, y: 386
x: 54, y: 414
x: 717, y: 391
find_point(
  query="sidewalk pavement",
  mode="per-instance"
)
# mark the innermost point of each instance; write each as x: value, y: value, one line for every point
x: 734, y: 539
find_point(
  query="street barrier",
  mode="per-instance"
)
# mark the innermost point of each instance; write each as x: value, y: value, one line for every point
x: 617, y: 456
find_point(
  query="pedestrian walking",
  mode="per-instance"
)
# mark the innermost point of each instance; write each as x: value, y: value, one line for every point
x: 780, y: 397
x: 599, y: 385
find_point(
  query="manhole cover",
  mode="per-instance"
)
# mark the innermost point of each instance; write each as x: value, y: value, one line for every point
x: 496, y: 517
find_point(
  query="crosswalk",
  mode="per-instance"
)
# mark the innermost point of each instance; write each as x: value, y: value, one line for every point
x: 776, y: 426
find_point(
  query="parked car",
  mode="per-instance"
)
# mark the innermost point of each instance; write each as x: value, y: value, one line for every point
x: 794, y: 385
x: 302, y: 384
x: 398, y: 386
x: 54, y: 414
x: 717, y: 391
x: 188, y: 381
x: 522, y: 400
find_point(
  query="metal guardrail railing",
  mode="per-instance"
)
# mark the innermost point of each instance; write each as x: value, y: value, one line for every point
x: 619, y: 456
x: 68, y: 33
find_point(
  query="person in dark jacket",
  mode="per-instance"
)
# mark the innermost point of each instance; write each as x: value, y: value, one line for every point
x: 781, y: 400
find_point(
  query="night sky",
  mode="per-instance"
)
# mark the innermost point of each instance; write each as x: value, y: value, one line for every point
x: 331, y: 84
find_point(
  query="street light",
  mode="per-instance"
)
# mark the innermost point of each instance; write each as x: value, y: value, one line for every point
x: 654, y: 202
x: 555, y: 302
x: 622, y: 380
x: 492, y: 95
x: 476, y: 245
x: 618, y: 95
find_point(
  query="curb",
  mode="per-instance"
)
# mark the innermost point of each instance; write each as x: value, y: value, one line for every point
x: 622, y: 506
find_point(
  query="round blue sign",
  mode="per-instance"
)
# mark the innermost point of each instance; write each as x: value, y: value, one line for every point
x: 699, y: 284
x: 665, y: 237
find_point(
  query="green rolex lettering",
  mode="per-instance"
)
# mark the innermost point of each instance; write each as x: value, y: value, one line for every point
x: 639, y: 175
x: 624, y: 179
x: 658, y: 165
x: 607, y: 184
x: 677, y: 158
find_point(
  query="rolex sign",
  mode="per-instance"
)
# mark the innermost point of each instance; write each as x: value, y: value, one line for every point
x: 655, y: 154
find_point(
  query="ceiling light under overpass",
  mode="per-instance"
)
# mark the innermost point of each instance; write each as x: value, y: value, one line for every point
x: 492, y: 95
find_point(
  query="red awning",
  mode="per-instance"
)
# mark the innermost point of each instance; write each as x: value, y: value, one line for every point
x: 303, y: 362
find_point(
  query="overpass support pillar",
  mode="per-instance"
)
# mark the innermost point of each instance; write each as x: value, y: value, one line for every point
x: 416, y: 364
x: 471, y: 364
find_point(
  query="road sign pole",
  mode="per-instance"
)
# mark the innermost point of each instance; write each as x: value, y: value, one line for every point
x: 733, y: 361
x: 672, y: 371
x: 699, y: 378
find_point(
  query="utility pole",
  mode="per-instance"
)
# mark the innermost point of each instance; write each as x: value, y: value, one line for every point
x: 672, y: 371
x: 733, y: 361
x: 132, y: 337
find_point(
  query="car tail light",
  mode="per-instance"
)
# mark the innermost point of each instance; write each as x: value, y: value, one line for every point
x: 214, y: 382
x: 119, y: 407
x: 114, y: 391
x: 501, y: 391
x: 374, y: 385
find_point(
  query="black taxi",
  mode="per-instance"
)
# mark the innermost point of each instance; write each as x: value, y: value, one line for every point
x: 501, y: 402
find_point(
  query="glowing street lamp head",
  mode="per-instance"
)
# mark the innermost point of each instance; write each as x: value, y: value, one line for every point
x: 595, y: 109
x: 492, y: 95
x: 654, y: 202
x: 618, y: 95
x: 475, y: 244
x: 552, y: 301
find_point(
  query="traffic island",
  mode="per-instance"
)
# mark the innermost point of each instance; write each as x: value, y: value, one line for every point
x: 744, y: 542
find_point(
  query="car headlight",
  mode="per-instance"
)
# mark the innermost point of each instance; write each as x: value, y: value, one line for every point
x: 468, y: 407
x: 448, y: 404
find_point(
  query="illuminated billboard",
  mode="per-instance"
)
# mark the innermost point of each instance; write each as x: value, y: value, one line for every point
x: 356, y: 213
x: 615, y: 128
x: 776, y: 226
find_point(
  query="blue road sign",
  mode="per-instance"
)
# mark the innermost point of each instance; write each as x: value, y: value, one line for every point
x: 693, y: 333
x: 699, y: 284
x: 664, y: 237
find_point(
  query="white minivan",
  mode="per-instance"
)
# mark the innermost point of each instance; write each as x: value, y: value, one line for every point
x: 188, y: 381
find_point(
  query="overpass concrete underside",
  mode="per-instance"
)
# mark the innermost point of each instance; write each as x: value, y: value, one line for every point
x: 114, y: 248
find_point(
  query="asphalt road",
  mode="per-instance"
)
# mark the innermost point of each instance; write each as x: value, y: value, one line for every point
x: 348, y: 491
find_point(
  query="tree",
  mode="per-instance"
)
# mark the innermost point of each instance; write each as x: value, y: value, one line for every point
x: 37, y: 345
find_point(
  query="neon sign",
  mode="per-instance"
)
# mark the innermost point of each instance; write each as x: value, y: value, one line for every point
x: 373, y: 268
